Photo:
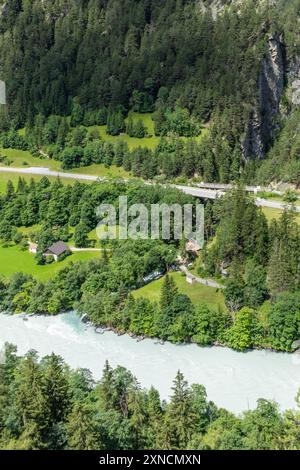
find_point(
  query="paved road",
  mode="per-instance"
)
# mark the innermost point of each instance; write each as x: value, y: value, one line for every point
x: 35, y: 170
x: 72, y: 248
x: 200, y: 280
x: 193, y: 191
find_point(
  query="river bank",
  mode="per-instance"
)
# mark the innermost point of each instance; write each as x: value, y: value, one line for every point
x: 101, y: 329
x: 233, y: 380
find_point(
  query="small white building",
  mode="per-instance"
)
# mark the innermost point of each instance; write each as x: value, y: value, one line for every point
x: 33, y: 247
x: 190, y: 279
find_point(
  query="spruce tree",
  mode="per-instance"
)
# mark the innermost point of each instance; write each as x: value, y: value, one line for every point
x: 180, y: 416
x: 81, y: 430
x: 56, y: 388
x: 168, y: 292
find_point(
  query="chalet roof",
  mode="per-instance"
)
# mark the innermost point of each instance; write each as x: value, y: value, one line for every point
x: 57, y: 248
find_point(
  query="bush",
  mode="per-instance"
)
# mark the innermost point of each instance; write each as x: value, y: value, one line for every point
x: 40, y: 259
x: 245, y: 332
x: 64, y: 256
x: 17, y: 238
x: 284, y: 321
x: 24, y: 244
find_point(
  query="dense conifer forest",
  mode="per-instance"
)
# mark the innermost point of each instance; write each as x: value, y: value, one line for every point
x: 47, y: 405
x: 189, y: 62
x: 174, y: 91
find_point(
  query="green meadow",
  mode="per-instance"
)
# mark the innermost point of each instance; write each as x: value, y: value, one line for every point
x: 198, y: 293
x: 149, y: 142
x: 102, y: 171
x: 24, y: 159
x: 13, y: 260
x: 20, y: 158
x: 275, y: 214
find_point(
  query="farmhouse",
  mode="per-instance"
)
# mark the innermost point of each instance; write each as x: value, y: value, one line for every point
x: 57, y: 249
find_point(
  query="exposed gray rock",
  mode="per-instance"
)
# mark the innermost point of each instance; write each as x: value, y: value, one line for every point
x: 3, y: 8
x: 253, y: 144
x: 293, y: 75
x: 262, y: 119
x: 296, y: 344
x: 295, y: 97
x: 215, y: 6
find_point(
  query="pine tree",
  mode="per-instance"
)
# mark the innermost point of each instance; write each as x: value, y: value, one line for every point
x: 81, y: 430
x: 56, y: 388
x: 63, y: 131
x: 137, y: 416
x: 139, y: 129
x: 130, y: 126
x: 180, y: 416
x: 106, y: 387
x: 30, y: 404
x: 81, y: 235
x: 168, y: 292
x: 22, y: 186
x: 10, y: 190
x: 279, y: 277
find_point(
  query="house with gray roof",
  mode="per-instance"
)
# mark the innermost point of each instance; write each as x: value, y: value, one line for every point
x: 57, y: 249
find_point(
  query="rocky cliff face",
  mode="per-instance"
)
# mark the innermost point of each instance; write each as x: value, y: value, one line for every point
x: 293, y: 75
x: 214, y: 6
x: 262, y: 121
x: 217, y: 6
x: 263, y: 118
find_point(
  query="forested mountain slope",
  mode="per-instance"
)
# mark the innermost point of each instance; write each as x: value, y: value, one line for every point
x: 235, y: 64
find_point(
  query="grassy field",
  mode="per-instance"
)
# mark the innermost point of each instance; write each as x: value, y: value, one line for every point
x: 97, y: 170
x: 275, y: 197
x: 150, y: 142
x: 36, y: 228
x: 13, y: 177
x: 24, y: 159
x: 147, y: 120
x: 102, y: 171
x: 272, y: 214
x: 13, y: 260
x: 20, y: 158
x: 27, y: 230
x: 198, y: 293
